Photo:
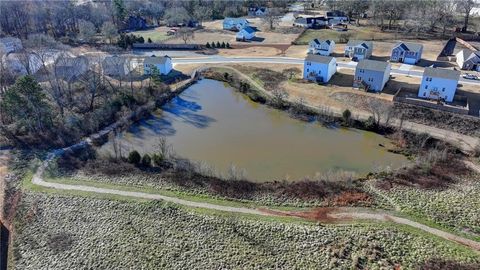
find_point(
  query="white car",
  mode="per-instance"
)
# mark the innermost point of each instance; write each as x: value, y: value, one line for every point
x: 469, y: 76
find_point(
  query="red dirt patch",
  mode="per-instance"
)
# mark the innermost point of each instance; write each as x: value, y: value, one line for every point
x: 317, y: 214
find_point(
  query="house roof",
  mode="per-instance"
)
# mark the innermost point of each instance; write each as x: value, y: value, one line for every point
x: 372, y: 65
x: 320, y: 41
x: 365, y: 44
x: 407, y: 46
x: 112, y: 61
x: 153, y: 60
x: 71, y: 61
x: 335, y: 13
x: 469, y: 54
x: 248, y: 29
x: 319, y: 58
x: 442, y: 73
x: 235, y: 20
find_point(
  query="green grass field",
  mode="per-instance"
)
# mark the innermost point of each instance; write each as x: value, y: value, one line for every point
x: 156, y: 34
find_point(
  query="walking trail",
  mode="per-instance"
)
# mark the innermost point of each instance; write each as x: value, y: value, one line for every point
x: 320, y: 214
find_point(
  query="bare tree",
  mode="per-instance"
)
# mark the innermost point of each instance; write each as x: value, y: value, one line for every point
x: 185, y: 34
x: 272, y: 18
x: 380, y: 110
x: 465, y: 6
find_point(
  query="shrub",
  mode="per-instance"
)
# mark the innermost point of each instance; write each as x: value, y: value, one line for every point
x: 157, y: 159
x: 228, y: 45
x: 218, y: 44
x: 146, y: 160
x: 208, y: 45
x: 149, y: 40
x: 213, y: 44
x: 370, y: 123
x: 134, y: 157
x: 346, y: 115
x: 223, y: 45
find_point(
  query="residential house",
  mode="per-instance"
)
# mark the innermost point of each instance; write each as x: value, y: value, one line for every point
x: 408, y: 53
x: 118, y: 65
x: 371, y: 75
x: 439, y: 84
x: 23, y: 63
x: 358, y: 49
x: 247, y: 33
x: 235, y: 24
x: 70, y: 68
x: 319, y: 68
x: 337, y: 15
x: 321, y: 47
x: 468, y: 59
x: 310, y: 22
x: 10, y: 44
x: 163, y: 64
x: 257, y: 11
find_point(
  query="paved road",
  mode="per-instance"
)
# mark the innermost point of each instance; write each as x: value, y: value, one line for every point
x: 289, y: 60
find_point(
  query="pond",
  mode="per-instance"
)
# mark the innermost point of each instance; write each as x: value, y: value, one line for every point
x: 213, y: 123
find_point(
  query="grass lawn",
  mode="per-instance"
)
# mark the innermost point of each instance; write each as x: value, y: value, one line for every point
x: 365, y: 33
x: 157, y: 34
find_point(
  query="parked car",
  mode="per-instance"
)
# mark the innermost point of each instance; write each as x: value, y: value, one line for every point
x: 469, y: 76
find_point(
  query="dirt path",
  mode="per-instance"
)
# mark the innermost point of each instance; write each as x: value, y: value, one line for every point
x: 464, y: 142
x: 321, y: 214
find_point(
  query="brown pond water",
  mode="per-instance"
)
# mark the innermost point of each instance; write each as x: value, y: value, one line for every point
x: 212, y: 123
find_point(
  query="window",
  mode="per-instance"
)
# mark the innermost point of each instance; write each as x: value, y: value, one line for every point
x: 424, y: 94
x: 443, y: 89
x: 426, y: 86
x: 308, y: 70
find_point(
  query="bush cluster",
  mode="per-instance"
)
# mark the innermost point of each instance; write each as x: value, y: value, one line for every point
x: 219, y: 45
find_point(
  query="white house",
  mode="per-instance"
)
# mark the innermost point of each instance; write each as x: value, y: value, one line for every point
x: 235, y: 24
x: 371, y: 75
x: 408, y: 53
x: 319, y: 68
x: 321, y: 47
x: 468, y: 60
x: 358, y: 49
x: 162, y: 63
x: 257, y: 11
x: 247, y: 33
x: 439, y: 84
x: 118, y: 65
x: 10, y: 44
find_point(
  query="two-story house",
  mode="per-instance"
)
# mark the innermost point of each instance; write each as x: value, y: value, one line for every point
x: 163, y: 64
x: 337, y: 15
x: 319, y: 68
x: 257, y: 11
x: 247, y: 33
x: 408, y: 53
x: 439, y: 84
x: 468, y: 59
x: 235, y: 24
x: 10, y: 44
x: 371, y: 75
x: 358, y: 49
x: 321, y: 47
x: 118, y: 65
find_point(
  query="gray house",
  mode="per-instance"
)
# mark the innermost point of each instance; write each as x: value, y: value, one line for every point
x: 371, y: 75
x: 468, y: 60
x: 358, y: 49
x: 408, y: 53
x: 70, y: 68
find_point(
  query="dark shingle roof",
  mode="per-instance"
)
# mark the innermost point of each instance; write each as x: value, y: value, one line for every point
x: 365, y: 44
x: 442, y: 73
x: 319, y: 58
x: 152, y: 60
x: 413, y: 47
x: 249, y: 29
x: 319, y: 41
x: 372, y: 65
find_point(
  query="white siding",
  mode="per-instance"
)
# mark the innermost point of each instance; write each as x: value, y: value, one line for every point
x: 445, y: 88
x: 313, y: 70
